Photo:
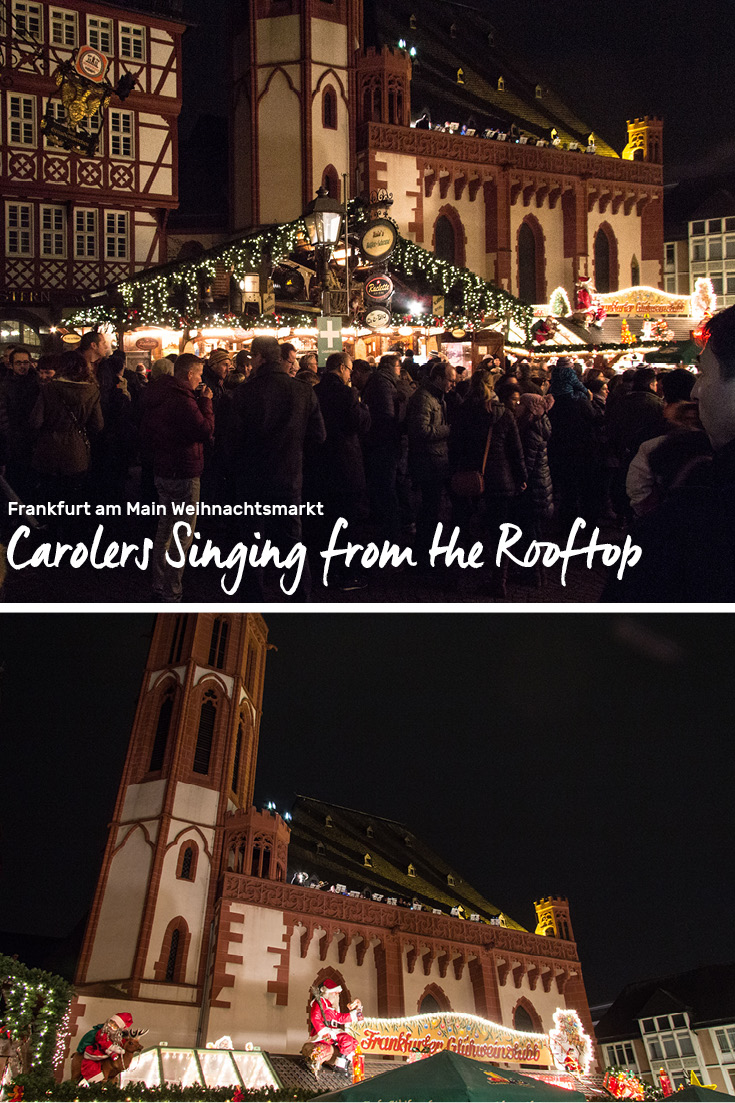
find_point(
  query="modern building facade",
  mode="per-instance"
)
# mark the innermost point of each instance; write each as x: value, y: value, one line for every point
x: 214, y: 918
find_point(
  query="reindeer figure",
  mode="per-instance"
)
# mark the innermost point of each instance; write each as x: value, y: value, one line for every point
x: 111, y: 1067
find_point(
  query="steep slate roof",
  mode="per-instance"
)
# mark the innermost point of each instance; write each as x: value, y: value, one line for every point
x: 706, y: 993
x: 439, y: 55
x: 719, y: 205
x: 392, y: 848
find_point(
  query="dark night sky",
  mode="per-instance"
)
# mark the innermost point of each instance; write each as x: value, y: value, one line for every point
x: 581, y: 755
x: 610, y: 61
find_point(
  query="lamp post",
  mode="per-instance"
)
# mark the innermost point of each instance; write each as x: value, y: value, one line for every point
x: 323, y: 218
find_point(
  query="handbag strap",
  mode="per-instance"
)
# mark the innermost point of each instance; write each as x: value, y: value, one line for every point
x: 487, y: 448
x: 77, y: 423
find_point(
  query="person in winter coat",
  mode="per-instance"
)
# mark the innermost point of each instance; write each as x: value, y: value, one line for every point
x: 565, y: 381
x: 339, y: 468
x: 505, y: 475
x: 534, y: 428
x: 19, y: 390
x: 177, y: 424
x: 66, y: 415
x: 428, y: 451
x: 387, y: 405
x: 275, y: 417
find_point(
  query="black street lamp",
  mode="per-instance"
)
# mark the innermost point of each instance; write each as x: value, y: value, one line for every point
x: 323, y: 218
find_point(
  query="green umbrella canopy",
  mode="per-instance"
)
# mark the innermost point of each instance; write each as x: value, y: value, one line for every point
x: 694, y: 1091
x: 448, y: 1076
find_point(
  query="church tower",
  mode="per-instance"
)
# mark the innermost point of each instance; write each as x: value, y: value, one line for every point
x: 293, y: 91
x: 190, y: 762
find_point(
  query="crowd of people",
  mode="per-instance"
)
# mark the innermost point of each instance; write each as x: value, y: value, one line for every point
x: 393, y: 447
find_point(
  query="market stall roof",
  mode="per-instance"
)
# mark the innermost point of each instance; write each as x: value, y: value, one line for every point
x: 450, y: 1076
x: 468, y: 294
x: 699, y: 1092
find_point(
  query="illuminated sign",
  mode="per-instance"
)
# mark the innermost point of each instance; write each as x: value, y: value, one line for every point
x: 467, y: 1035
x: 379, y: 288
x: 378, y: 318
x: 378, y: 239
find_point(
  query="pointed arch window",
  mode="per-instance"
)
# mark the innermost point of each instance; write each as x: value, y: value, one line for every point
x: 236, y: 762
x: 173, y: 953
x: 187, y: 863
x: 171, y: 965
x: 205, y: 733
x: 261, y: 860
x: 635, y: 273
x: 177, y: 638
x: 218, y: 643
x: 330, y: 180
x: 445, y: 247
x: 251, y: 667
x: 163, y: 726
x: 329, y: 108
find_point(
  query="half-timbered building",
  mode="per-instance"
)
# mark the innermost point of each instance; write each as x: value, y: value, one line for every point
x: 73, y: 223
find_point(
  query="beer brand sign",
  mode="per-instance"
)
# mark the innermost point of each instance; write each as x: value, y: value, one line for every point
x: 467, y: 1035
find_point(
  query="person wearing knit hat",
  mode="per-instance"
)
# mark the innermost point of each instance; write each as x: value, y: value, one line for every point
x: 220, y: 360
x: 326, y: 1022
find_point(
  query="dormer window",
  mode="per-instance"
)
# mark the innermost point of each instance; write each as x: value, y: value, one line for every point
x: 412, y: 22
x: 412, y: 870
x: 453, y: 30
x: 450, y: 880
x: 369, y: 832
x: 501, y: 84
x: 539, y: 92
x: 328, y: 822
x: 367, y: 861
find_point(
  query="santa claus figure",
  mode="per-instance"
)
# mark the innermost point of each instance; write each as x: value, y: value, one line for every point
x: 102, y: 1042
x: 327, y: 1022
x: 582, y: 295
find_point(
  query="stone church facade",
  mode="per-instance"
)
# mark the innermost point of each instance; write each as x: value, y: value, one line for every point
x: 200, y: 927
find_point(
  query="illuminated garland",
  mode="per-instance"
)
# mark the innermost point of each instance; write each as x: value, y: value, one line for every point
x: 42, y: 1088
x: 170, y: 295
x: 36, y: 1009
x: 478, y: 296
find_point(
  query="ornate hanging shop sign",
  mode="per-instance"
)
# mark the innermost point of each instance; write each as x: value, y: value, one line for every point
x: 379, y: 288
x: 378, y: 239
x: 378, y: 318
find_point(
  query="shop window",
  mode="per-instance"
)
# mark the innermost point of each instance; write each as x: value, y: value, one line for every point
x: 329, y: 108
